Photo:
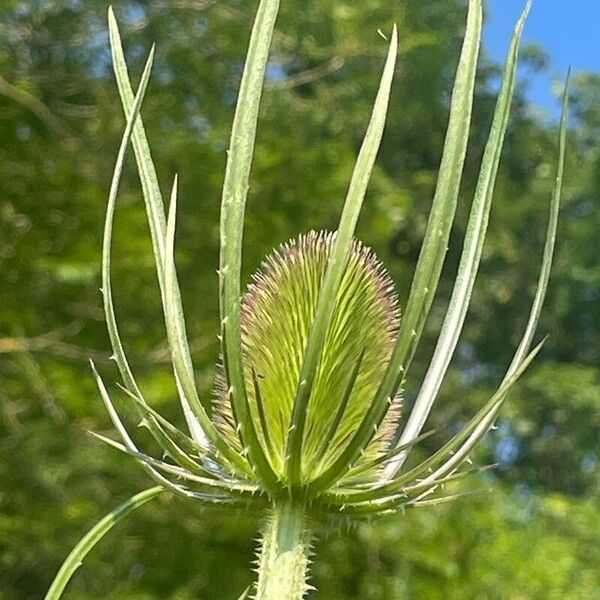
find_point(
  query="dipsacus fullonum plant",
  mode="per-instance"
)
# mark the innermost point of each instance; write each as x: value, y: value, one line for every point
x: 306, y: 421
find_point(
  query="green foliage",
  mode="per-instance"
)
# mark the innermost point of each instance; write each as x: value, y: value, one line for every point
x: 466, y: 550
x: 327, y: 56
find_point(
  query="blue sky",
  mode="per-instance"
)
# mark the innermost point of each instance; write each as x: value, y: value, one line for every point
x: 566, y: 29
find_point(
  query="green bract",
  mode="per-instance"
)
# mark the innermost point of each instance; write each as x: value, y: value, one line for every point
x: 306, y: 414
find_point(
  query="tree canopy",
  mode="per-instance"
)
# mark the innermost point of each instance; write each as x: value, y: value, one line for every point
x: 532, y: 535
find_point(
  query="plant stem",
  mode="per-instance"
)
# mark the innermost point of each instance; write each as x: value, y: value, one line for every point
x: 283, y: 558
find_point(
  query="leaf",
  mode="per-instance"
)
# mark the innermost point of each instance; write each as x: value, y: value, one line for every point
x: 336, y: 266
x: 94, y: 535
x: 235, y: 191
x: 154, y: 210
x: 111, y: 323
x: 173, y: 323
x: 491, y: 410
x: 385, y: 457
x: 117, y: 346
x: 432, y: 254
x: 129, y: 444
x: 471, y: 254
x: 173, y: 315
x: 406, y: 497
x: 170, y: 447
x: 550, y: 242
x: 206, y: 484
x: 187, y: 444
x: 472, y: 432
x: 433, y: 250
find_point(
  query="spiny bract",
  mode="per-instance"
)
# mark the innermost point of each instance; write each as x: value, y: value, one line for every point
x: 276, y: 316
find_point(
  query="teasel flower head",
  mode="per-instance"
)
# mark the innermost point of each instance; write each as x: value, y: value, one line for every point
x: 306, y: 419
x: 276, y: 316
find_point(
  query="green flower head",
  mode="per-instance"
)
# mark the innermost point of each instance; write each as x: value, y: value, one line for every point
x: 276, y: 316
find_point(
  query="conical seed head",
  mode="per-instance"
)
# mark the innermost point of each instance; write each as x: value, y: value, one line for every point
x: 277, y: 313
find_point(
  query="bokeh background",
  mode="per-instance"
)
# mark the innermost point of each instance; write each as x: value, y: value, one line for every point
x: 536, y: 533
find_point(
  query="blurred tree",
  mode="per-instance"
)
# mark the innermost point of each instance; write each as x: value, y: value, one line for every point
x: 60, y: 122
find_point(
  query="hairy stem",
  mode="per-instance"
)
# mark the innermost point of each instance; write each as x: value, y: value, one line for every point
x: 283, y: 558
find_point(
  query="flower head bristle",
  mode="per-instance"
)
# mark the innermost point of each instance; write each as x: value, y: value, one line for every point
x: 277, y: 312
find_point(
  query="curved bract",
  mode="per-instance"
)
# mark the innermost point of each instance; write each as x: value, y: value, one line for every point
x: 306, y: 413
